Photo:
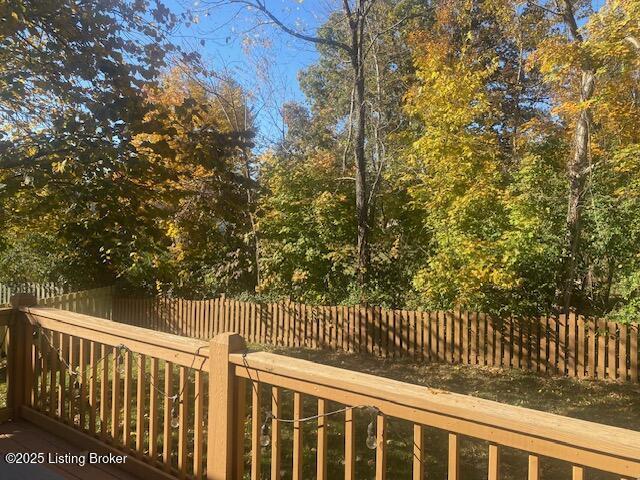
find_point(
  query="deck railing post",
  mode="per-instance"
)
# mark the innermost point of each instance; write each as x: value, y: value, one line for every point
x: 20, y: 367
x: 221, y: 431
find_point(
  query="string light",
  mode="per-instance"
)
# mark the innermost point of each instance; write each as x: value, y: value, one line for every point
x: 265, y: 437
x: 371, y: 435
x: 77, y: 374
x: 175, y: 420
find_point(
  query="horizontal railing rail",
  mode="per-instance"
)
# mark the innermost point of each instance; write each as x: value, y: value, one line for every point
x: 186, y: 352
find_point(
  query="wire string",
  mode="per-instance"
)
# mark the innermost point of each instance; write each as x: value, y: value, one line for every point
x: 270, y: 415
x: 78, y: 374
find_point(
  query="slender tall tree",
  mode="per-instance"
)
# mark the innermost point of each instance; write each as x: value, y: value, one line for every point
x: 356, y: 15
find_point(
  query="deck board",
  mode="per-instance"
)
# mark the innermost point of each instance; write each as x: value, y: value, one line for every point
x: 25, y: 437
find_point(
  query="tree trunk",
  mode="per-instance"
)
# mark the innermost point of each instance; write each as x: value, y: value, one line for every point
x: 362, y: 207
x: 577, y: 166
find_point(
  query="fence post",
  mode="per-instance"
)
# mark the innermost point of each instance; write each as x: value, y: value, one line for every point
x: 221, y: 431
x: 20, y: 367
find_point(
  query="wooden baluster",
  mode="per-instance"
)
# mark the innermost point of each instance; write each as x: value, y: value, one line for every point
x: 494, y: 462
x: 534, y: 468
x: 198, y: 420
x: 454, y: 457
x: 182, y: 429
x: 104, y: 390
x: 73, y: 402
x: 418, y: 452
x: 321, y: 462
x: 93, y: 351
x: 168, y: 404
x: 62, y: 378
x: 82, y: 361
x: 115, y: 394
x: 275, y: 434
x: 256, y: 424
x: 349, y: 446
x: 240, y: 401
x: 153, y: 408
x: 44, y: 374
x: 381, y: 447
x: 297, y: 438
x: 126, y: 428
x: 577, y: 473
x: 140, y: 404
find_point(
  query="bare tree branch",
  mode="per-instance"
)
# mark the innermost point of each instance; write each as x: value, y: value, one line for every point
x: 261, y: 6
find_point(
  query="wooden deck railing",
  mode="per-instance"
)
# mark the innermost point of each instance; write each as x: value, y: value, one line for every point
x: 184, y: 408
x: 571, y: 345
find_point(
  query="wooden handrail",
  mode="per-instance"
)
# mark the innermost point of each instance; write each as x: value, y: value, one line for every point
x: 186, y: 352
x: 581, y: 443
x: 577, y: 441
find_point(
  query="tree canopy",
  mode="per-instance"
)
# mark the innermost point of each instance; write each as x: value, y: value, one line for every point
x: 449, y: 154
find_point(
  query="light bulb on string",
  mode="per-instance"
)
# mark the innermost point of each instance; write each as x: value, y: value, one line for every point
x: 265, y: 437
x: 75, y: 374
x: 372, y: 443
x: 121, y: 370
x: 175, y: 419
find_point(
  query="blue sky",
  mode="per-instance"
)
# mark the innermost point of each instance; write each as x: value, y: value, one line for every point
x: 226, y: 32
x: 225, y: 29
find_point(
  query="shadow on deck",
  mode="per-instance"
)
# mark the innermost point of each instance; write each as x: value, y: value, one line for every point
x: 25, y: 437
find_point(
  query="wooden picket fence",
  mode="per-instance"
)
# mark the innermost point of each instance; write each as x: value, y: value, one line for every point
x: 39, y: 290
x: 573, y: 345
x: 97, y: 302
